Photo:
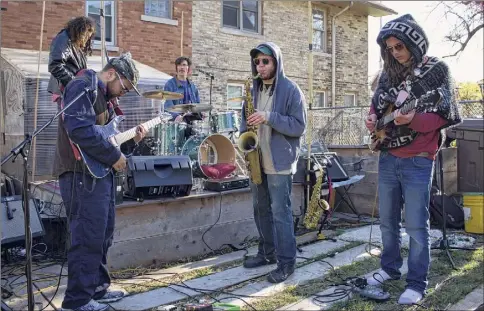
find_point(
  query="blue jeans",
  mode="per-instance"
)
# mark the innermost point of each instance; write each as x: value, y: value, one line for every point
x: 405, y: 181
x: 273, y: 218
x: 90, y: 205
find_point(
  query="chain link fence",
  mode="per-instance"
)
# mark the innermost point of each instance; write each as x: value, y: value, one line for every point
x: 338, y: 126
x: 471, y: 108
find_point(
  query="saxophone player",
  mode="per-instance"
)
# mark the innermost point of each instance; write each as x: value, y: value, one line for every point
x: 280, y: 116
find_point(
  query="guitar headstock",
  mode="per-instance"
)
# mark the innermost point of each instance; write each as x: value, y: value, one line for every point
x: 430, y: 100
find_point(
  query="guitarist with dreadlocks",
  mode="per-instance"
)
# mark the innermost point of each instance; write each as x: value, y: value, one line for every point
x: 409, y: 149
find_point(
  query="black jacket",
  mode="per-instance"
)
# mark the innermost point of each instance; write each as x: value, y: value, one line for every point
x: 65, y: 60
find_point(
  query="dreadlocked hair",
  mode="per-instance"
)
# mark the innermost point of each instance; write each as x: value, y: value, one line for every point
x: 396, y: 71
x: 76, y: 27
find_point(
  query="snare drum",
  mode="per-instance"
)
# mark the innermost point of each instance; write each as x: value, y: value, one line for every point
x: 206, y: 151
x: 170, y: 138
x: 227, y: 121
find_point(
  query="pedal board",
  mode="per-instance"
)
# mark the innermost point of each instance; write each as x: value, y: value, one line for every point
x: 220, y: 185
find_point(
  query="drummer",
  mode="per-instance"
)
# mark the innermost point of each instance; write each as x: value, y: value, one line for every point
x: 181, y: 84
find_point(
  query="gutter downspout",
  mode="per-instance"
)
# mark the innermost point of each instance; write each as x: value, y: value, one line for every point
x: 333, y: 54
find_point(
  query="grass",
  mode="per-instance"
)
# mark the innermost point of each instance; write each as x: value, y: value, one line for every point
x: 296, y: 293
x: 446, y: 286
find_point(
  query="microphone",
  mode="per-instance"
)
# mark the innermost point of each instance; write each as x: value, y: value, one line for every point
x: 205, y: 73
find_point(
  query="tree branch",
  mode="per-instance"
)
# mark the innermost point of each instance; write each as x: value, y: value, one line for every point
x: 463, y: 45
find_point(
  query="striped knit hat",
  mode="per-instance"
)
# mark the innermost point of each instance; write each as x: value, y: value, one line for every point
x: 405, y: 29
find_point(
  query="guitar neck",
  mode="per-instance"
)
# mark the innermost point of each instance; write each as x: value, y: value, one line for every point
x: 404, y: 110
x: 131, y: 133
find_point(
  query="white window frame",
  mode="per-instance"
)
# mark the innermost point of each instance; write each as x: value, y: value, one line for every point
x: 316, y: 99
x: 241, y: 16
x: 170, y: 10
x: 235, y: 84
x: 354, y: 99
x: 324, y: 31
x: 113, y: 21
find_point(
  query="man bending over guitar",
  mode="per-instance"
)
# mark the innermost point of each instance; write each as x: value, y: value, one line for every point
x: 422, y: 86
x: 89, y: 201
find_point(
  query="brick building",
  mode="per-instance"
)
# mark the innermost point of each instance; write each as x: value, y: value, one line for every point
x: 150, y: 29
x: 232, y: 28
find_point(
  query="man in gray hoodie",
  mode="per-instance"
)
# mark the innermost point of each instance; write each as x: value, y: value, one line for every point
x: 281, y: 119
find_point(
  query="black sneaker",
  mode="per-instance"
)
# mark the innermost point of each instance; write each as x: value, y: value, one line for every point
x: 258, y: 261
x: 280, y: 274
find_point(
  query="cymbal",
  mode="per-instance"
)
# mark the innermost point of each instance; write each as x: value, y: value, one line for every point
x: 189, y: 108
x: 160, y: 94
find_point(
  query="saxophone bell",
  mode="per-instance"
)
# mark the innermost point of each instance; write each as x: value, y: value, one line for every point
x: 248, y: 142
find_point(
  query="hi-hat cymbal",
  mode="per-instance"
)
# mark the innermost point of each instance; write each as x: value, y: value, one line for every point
x: 189, y: 108
x: 160, y: 94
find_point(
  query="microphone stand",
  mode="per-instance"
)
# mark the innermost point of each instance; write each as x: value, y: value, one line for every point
x: 211, y: 76
x: 23, y: 149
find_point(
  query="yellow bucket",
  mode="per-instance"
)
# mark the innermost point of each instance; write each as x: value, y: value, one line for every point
x: 474, y: 212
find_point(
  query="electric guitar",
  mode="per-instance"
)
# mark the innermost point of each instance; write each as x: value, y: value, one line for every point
x: 110, y: 133
x: 381, y: 132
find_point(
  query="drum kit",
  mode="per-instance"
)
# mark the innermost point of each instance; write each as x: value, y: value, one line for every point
x: 205, y: 141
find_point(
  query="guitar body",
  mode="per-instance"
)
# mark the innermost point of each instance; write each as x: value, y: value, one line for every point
x: 108, y: 131
x: 381, y: 135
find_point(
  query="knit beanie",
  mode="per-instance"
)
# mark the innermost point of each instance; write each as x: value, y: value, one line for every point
x: 405, y: 29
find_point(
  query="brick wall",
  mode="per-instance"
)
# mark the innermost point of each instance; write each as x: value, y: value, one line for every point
x: 154, y: 44
x: 227, y: 54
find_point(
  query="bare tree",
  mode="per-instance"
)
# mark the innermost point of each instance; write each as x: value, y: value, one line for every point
x: 468, y: 17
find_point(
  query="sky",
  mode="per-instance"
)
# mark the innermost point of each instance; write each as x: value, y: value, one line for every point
x: 468, y: 66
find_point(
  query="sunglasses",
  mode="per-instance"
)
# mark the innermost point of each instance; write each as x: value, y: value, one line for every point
x: 265, y: 61
x: 397, y: 47
x: 125, y: 89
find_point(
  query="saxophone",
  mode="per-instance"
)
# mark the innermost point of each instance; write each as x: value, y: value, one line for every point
x: 248, y: 142
x: 316, y: 205
x: 313, y: 212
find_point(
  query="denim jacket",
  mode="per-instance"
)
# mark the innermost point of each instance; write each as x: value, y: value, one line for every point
x: 174, y: 85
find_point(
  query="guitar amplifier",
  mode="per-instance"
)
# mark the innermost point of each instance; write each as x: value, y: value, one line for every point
x: 335, y: 170
x: 13, y: 217
x: 158, y: 176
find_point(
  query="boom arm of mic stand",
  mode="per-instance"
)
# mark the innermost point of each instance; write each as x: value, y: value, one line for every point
x: 20, y: 149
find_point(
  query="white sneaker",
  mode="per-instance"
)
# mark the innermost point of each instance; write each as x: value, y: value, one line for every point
x: 378, y: 278
x: 409, y: 297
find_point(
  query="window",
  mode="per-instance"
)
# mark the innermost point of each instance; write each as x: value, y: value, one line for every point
x: 158, y: 8
x: 320, y: 99
x: 93, y: 11
x: 349, y: 100
x: 235, y: 91
x: 319, y: 30
x: 243, y: 15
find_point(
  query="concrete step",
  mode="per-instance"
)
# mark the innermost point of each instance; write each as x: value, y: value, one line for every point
x: 301, y: 276
x: 472, y: 301
x: 216, y: 281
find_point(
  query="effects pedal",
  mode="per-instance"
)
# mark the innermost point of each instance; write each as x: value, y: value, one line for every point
x: 376, y: 293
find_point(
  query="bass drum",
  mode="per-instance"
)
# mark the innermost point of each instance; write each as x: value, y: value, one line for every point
x: 205, y: 151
